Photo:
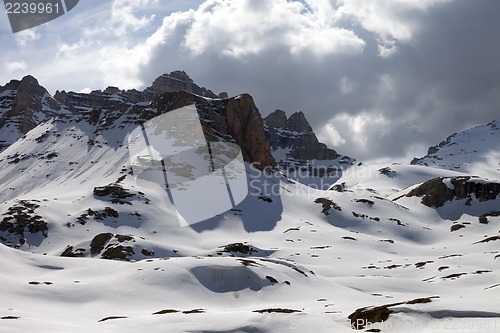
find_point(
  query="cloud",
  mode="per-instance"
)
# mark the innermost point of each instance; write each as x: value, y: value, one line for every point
x: 392, y: 21
x: 330, y: 135
x: 125, y: 18
x: 374, y: 78
x: 239, y: 28
x: 15, y: 66
x: 25, y: 37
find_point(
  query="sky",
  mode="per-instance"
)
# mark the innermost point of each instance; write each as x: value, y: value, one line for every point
x: 377, y: 80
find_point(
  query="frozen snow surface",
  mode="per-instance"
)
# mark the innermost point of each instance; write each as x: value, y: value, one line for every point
x: 289, y: 258
x: 475, y: 151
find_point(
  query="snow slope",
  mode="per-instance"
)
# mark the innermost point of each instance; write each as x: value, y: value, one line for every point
x: 475, y: 151
x: 288, y: 258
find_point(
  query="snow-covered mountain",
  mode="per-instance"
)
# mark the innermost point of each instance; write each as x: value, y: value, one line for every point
x: 395, y: 248
x: 23, y: 105
x: 475, y: 150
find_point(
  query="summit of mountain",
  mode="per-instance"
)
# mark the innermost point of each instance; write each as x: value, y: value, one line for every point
x: 23, y: 105
x: 396, y: 240
x: 475, y: 151
x: 175, y: 81
x: 299, y: 153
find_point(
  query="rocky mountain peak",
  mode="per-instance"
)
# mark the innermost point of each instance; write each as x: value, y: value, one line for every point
x: 235, y: 119
x: 28, y: 85
x: 113, y: 96
x: 177, y: 81
x: 298, y: 123
x: 276, y: 119
x: 296, y: 134
x: 23, y: 105
x: 295, y: 146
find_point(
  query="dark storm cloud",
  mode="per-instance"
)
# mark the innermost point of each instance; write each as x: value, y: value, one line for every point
x: 442, y: 79
x: 375, y: 78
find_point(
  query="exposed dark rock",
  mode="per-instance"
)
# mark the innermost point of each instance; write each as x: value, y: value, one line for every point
x: 270, y: 278
x: 24, y: 108
x: 19, y: 220
x: 489, y: 239
x: 276, y: 310
x: 363, y: 317
x: 111, y: 318
x: 165, y: 311
x: 422, y: 264
x: 277, y: 119
x: 124, y: 238
x: 456, y: 227
x: 72, y: 253
x: 238, y: 247
x: 453, y: 276
x: 484, y: 218
x: 147, y: 253
x: 98, y: 242
x: 114, y: 191
x: 387, y: 171
x: 118, y: 252
x: 366, y: 201
x: 370, y: 315
x: 194, y: 311
x: 296, y: 134
x: 436, y: 193
x: 265, y: 199
x: 236, y: 119
x: 178, y: 81
x: 327, y: 204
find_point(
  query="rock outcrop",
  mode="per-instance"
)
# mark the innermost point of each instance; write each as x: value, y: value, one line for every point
x: 296, y: 134
x: 113, y: 96
x: 235, y: 119
x: 21, y: 224
x: 298, y: 151
x: 177, y: 81
x: 23, y: 105
x: 435, y: 193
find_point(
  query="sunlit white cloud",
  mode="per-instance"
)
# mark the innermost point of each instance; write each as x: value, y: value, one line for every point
x: 25, y: 37
x: 238, y: 28
x: 15, y: 66
x: 374, y: 78
x: 392, y: 20
x: 330, y: 135
x: 125, y: 17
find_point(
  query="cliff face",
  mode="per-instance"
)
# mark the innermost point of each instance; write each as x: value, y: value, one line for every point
x: 235, y: 119
x: 112, y: 96
x: 435, y: 193
x: 296, y: 136
x: 177, y: 81
x: 23, y: 105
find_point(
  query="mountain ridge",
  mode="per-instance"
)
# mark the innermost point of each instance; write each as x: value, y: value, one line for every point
x: 474, y: 150
x: 85, y: 245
